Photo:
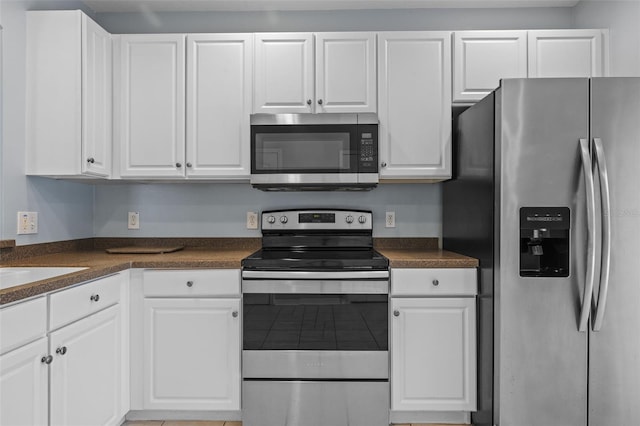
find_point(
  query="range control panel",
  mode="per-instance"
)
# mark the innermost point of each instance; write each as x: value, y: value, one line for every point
x: 324, y: 219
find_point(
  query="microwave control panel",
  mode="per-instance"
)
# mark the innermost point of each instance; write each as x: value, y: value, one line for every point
x: 368, y: 152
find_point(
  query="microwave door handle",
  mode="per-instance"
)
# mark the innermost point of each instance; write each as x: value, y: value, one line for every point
x: 591, y: 234
x: 606, y: 234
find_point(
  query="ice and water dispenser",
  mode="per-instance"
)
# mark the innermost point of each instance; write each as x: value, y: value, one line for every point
x: 544, y: 241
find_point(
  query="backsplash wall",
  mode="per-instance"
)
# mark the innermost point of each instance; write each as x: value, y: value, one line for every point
x: 219, y: 210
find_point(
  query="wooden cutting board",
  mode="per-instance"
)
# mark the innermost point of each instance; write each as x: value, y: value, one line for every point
x: 143, y: 249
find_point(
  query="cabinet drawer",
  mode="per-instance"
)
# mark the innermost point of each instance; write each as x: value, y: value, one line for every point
x: 191, y: 283
x: 70, y: 305
x: 433, y: 282
x: 22, y: 323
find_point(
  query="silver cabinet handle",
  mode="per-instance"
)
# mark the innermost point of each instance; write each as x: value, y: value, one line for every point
x: 435, y: 282
x: 189, y: 283
x: 383, y: 164
x: 591, y: 234
x: 178, y: 165
x: 234, y: 314
x: 91, y: 160
x: 94, y: 297
x: 606, y: 235
x: 319, y: 101
x: 46, y: 359
x: 396, y: 313
x: 62, y: 350
x: 189, y: 165
x: 309, y: 102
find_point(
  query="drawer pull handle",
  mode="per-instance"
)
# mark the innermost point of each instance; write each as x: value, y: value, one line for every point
x: 396, y: 313
x: 234, y: 314
x: 95, y: 297
x: 46, y: 359
x: 435, y: 282
x: 62, y: 350
x: 189, y: 283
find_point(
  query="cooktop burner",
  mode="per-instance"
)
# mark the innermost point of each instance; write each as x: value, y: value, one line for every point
x: 316, y: 240
x: 268, y: 259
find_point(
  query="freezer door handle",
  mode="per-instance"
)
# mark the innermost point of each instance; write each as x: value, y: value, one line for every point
x: 606, y: 235
x: 591, y: 235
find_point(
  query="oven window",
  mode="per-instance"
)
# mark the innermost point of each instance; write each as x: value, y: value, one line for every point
x: 303, y: 152
x: 342, y: 322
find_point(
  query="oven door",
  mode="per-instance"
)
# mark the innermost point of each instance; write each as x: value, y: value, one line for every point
x: 315, y: 348
x: 316, y: 328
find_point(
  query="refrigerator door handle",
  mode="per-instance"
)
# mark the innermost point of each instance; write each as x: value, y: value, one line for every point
x: 606, y: 235
x: 591, y: 234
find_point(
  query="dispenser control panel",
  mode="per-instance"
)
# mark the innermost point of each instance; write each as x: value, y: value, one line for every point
x: 544, y: 241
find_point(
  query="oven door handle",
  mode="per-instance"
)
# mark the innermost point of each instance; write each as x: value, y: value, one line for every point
x: 315, y: 287
x: 315, y: 275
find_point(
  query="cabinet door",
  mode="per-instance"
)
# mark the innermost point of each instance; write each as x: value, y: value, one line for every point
x: 283, y: 73
x: 24, y: 385
x: 85, y: 372
x: 151, y: 90
x: 96, y: 99
x: 567, y: 53
x: 414, y: 89
x: 433, y: 362
x: 219, y: 93
x: 345, y: 72
x: 192, y: 354
x: 482, y: 58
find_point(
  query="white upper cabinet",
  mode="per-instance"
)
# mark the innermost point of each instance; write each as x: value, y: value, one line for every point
x: 69, y: 96
x: 219, y: 93
x: 567, y: 53
x: 414, y: 90
x: 345, y: 72
x: 338, y: 75
x: 482, y: 58
x: 150, y: 98
x: 283, y: 73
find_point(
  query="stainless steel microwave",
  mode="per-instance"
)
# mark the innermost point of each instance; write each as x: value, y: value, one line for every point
x: 314, y: 151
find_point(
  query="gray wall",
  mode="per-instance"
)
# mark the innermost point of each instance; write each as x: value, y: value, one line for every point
x: 65, y: 209
x: 345, y: 20
x: 73, y: 210
x: 622, y: 17
x: 220, y: 209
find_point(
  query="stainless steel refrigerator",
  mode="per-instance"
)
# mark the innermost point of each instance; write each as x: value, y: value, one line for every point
x: 546, y: 193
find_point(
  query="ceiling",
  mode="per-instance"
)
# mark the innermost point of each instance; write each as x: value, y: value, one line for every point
x: 101, y: 6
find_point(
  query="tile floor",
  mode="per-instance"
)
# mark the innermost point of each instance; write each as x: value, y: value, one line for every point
x: 181, y: 423
x: 223, y: 423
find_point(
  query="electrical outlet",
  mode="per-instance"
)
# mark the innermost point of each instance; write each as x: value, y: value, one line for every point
x: 134, y: 220
x: 390, y: 220
x: 27, y: 223
x: 252, y: 220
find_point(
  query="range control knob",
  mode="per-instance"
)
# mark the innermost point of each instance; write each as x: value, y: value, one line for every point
x: 362, y: 219
x: 271, y: 219
x: 349, y: 219
x: 284, y: 219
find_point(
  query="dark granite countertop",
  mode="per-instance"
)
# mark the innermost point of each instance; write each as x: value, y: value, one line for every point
x: 223, y: 254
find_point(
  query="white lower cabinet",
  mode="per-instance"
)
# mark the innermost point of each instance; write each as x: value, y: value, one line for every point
x: 433, y: 342
x: 85, y: 372
x: 191, y: 340
x: 77, y: 373
x: 24, y: 385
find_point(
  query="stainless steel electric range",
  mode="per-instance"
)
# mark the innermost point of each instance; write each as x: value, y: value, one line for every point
x: 315, y: 322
